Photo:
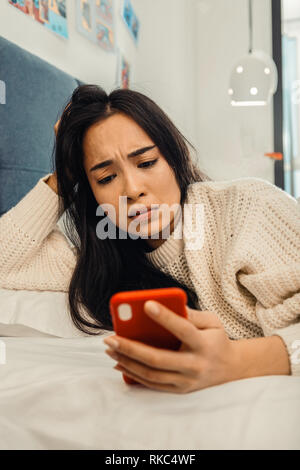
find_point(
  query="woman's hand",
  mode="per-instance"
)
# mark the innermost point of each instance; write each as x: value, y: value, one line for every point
x: 56, y: 126
x: 52, y: 182
x: 206, y: 356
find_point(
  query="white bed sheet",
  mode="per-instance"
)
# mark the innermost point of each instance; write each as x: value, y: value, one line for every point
x: 58, y: 393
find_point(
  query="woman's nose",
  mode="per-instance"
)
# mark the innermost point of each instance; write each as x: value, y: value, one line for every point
x: 133, y: 188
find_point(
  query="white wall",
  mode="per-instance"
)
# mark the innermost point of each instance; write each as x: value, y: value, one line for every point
x: 290, y: 9
x: 231, y: 141
x: 183, y: 62
x: 166, y: 64
x: 291, y: 28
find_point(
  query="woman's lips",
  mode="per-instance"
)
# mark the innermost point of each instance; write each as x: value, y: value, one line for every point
x: 144, y: 216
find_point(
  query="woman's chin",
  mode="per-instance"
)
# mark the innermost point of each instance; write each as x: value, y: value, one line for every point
x: 146, y: 230
x: 154, y: 231
x: 155, y: 228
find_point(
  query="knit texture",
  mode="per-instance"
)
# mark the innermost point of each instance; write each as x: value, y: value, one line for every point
x: 246, y: 268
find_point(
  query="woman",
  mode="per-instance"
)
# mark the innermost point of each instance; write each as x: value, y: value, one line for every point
x: 241, y: 267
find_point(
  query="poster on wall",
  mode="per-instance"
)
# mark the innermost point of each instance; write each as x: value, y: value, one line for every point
x: 123, y: 71
x: 95, y: 20
x: 130, y: 19
x: 52, y: 14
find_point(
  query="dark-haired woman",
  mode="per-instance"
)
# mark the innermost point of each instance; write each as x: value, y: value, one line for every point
x: 233, y: 246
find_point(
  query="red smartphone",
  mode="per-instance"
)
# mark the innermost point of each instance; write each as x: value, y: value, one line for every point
x: 130, y: 321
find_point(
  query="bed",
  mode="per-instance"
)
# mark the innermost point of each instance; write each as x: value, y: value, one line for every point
x: 58, y: 393
x: 58, y: 389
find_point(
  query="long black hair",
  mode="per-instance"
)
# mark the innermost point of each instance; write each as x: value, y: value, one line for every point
x: 105, y: 267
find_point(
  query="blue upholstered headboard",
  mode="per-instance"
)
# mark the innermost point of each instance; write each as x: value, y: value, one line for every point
x: 36, y: 93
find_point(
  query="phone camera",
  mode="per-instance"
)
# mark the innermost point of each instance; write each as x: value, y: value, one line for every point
x: 124, y: 312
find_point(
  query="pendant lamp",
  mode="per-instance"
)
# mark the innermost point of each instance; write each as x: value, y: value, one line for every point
x: 254, y: 77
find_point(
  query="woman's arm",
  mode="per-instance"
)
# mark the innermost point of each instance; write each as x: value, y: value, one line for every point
x: 272, y: 248
x: 261, y: 356
x: 35, y: 254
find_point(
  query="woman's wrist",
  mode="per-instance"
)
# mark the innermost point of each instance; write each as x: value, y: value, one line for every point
x: 261, y: 356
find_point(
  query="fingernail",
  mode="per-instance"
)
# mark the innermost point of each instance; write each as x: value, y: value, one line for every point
x: 112, y: 354
x: 113, y: 343
x: 152, y: 307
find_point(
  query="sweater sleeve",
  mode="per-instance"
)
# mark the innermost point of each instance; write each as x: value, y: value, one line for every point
x: 272, y: 275
x: 35, y: 254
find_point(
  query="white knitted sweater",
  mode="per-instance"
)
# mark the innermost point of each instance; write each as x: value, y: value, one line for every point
x: 247, y: 270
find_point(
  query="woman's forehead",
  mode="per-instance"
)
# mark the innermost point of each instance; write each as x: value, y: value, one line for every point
x: 116, y: 132
x: 117, y: 122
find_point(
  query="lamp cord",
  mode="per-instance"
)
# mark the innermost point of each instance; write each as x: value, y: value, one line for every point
x: 250, y: 26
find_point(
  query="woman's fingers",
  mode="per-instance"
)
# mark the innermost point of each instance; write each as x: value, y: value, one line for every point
x: 56, y: 127
x: 181, y: 327
x: 52, y: 182
x: 148, y: 373
x: 155, y: 358
x: 171, y: 388
x: 203, y: 319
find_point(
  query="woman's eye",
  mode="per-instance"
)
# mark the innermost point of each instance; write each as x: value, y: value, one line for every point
x: 151, y: 163
x: 148, y: 165
x: 105, y: 180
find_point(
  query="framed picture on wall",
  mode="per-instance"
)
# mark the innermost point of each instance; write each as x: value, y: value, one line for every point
x: 105, y: 11
x: 105, y: 36
x: 50, y: 13
x: 44, y: 11
x: 85, y: 19
x: 130, y: 19
x: 123, y: 71
x: 95, y: 20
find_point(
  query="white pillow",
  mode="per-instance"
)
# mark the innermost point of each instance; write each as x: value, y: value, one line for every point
x: 36, y: 313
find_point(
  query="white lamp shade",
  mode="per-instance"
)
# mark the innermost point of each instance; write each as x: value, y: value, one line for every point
x: 253, y: 80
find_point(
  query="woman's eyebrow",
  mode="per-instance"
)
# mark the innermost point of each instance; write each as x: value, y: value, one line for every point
x: 133, y: 154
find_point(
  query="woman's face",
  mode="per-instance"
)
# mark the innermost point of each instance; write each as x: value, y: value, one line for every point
x: 145, y: 178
